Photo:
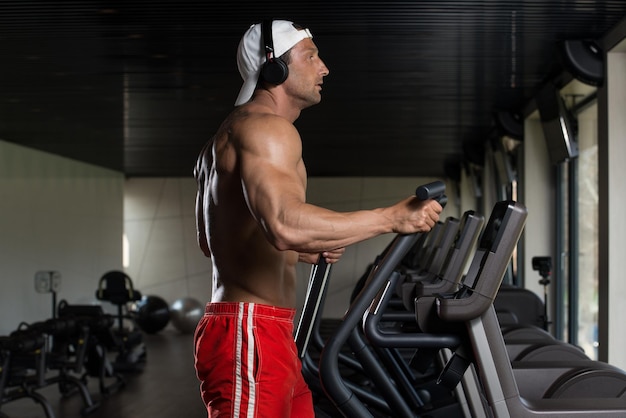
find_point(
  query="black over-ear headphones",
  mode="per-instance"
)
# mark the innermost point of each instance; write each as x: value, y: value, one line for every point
x: 274, y: 69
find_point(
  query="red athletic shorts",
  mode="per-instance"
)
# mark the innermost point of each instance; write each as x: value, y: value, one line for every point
x: 247, y: 363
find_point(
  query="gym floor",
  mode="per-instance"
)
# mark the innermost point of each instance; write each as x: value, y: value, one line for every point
x: 167, y: 387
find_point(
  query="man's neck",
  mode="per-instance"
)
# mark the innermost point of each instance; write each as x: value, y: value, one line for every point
x: 280, y: 104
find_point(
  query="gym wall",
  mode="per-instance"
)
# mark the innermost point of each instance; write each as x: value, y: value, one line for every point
x: 162, y: 256
x: 55, y: 214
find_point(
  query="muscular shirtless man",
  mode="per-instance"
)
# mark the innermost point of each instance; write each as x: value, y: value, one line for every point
x: 254, y: 223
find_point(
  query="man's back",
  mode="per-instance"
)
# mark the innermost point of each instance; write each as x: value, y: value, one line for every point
x: 246, y: 266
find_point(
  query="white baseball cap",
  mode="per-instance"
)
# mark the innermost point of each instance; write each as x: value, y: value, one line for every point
x: 251, y: 54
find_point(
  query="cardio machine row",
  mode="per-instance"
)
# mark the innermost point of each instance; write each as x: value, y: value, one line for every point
x: 422, y: 337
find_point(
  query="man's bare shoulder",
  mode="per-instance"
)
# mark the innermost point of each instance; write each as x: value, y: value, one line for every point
x: 251, y: 122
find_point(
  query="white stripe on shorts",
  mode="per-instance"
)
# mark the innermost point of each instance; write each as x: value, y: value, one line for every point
x: 238, y: 382
x: 251, y: 348
x: 249, y: 360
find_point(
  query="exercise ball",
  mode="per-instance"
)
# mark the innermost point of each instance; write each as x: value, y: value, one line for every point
x: 152, y: 314
x: 185, y: 314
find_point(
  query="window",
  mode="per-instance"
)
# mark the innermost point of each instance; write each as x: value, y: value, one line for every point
x: 576, y: 270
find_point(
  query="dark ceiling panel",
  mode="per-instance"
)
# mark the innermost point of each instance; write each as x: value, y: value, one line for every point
x: 139, y: 86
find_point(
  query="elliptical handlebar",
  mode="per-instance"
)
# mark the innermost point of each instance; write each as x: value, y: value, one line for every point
x: 334, y: 386
x: 318, y: 282
x: 431, y: 190
x: 319, y: 275
x: 435, y: 190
